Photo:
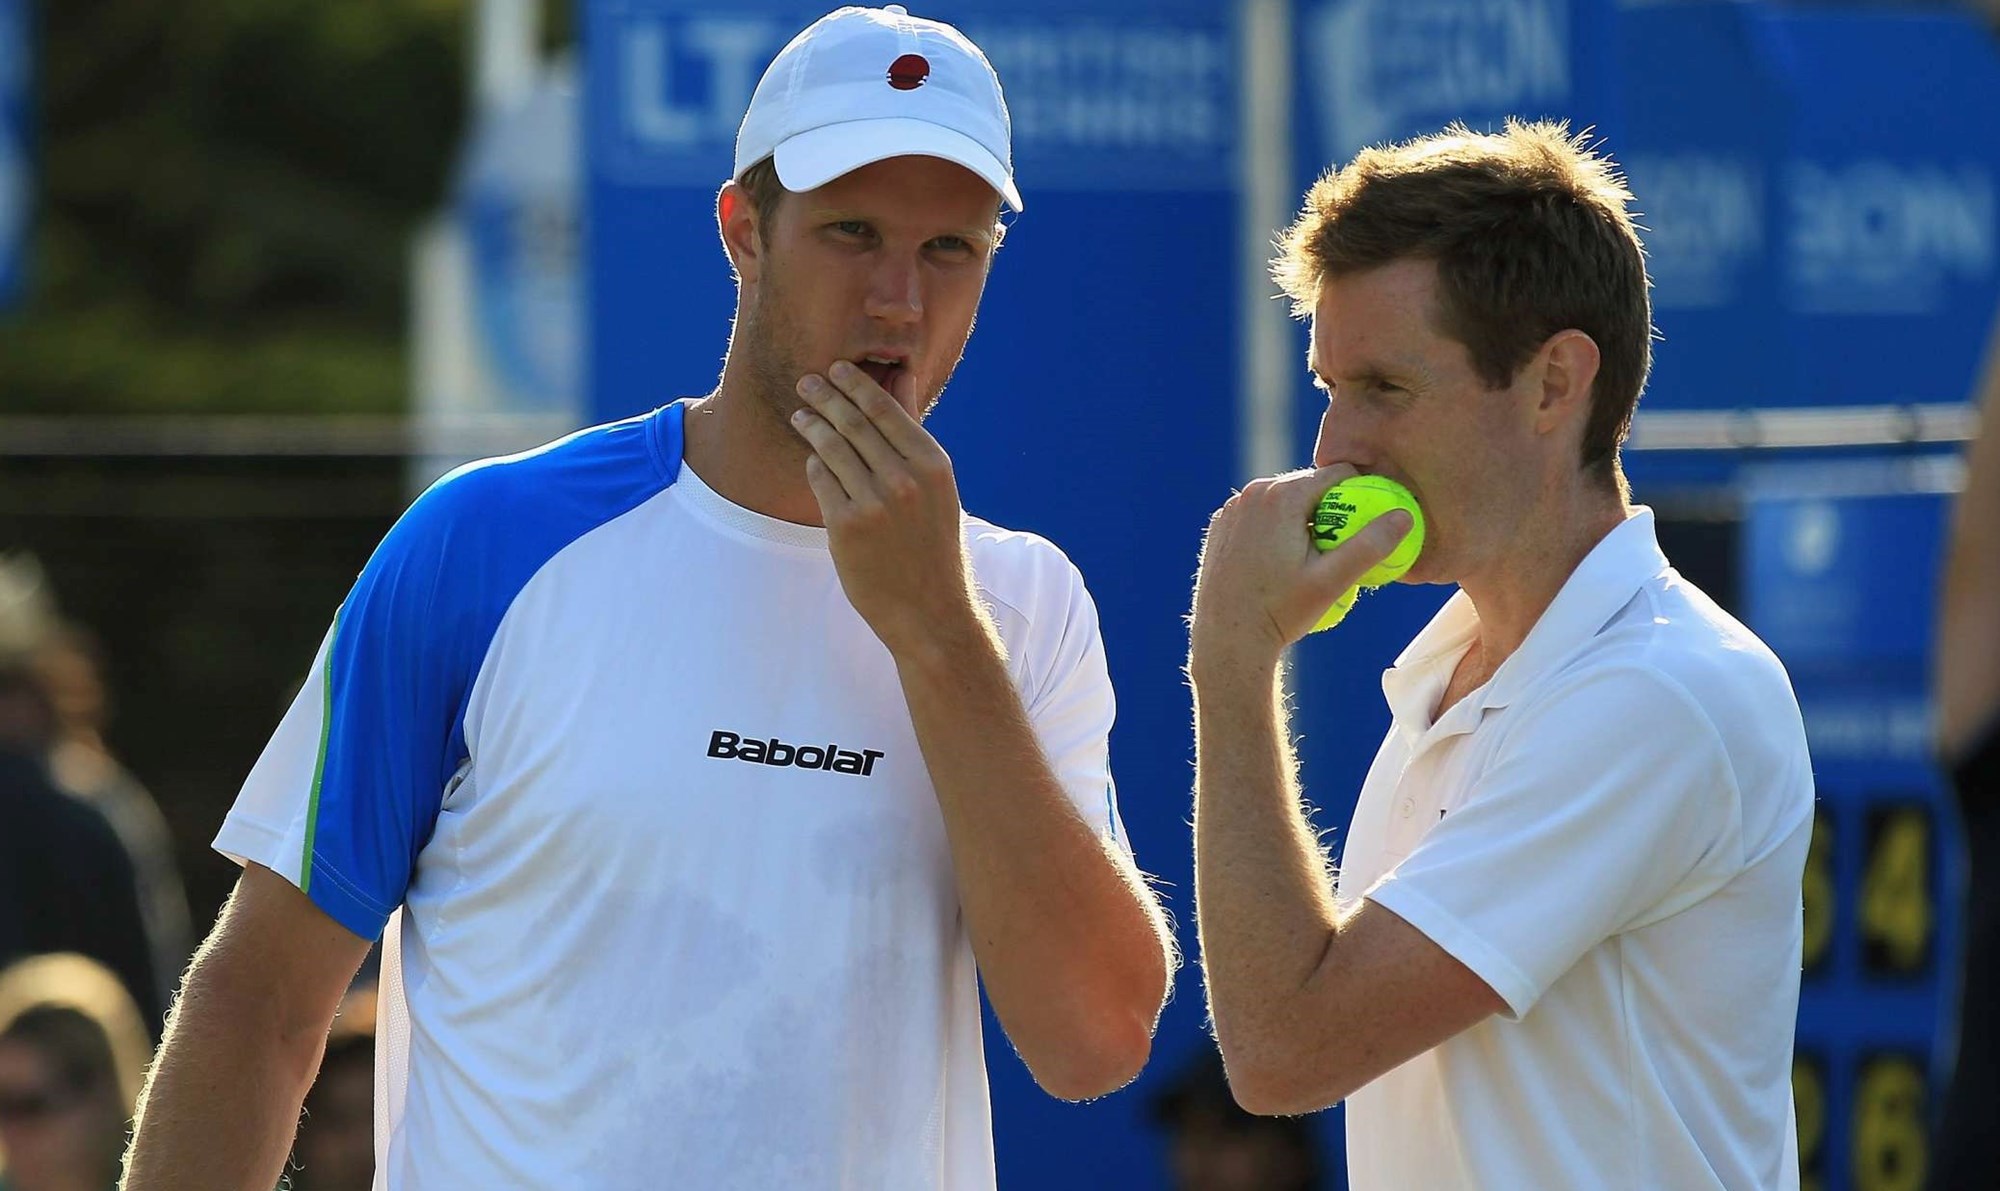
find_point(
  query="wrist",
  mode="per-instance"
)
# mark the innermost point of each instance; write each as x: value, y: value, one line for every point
x: 1227, y: 673
x: 942, y: 640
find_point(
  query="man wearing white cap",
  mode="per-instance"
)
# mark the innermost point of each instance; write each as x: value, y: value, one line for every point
x: 698, y: 768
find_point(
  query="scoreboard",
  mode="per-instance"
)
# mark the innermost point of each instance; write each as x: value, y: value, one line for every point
x: 1840, y: 563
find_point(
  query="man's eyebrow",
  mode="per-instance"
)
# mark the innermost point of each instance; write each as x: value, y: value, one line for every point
x: 978, y: 235
x: 1367, y: 374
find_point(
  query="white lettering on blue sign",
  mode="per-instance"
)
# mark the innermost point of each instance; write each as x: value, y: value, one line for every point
x: 684, y: 88
x: 1095, y: 104
x: 1882, y: 237
x: 1074, y: 88
x: 1812, y: 537
x: 1871, y: 727
x: 1386, y: 69
x: 1704, y: 220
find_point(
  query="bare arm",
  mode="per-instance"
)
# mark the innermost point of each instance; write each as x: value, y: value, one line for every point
x: 1968, y: 638
x: 1309, y: 1003
x: 243, y: 1043
x: 1073, y: 948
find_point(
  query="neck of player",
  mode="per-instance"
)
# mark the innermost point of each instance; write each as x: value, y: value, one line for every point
x: 1524, y: 567
x: 740, y: 445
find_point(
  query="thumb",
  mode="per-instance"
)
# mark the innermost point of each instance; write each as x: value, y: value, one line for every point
x: 1342, y: 567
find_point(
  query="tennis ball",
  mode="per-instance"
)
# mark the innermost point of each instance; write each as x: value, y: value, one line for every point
x: 1353, y: 503
x: 1338, y: 612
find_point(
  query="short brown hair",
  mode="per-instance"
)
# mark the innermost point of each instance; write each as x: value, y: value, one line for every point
x: 1530, y: 233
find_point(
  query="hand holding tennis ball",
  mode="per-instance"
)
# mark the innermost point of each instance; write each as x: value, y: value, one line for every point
x: 1351, y: 504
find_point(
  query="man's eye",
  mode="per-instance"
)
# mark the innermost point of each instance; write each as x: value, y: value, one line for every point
x: 851, y: 227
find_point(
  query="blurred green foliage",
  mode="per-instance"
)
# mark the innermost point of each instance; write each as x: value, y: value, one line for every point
x: 226, y: 191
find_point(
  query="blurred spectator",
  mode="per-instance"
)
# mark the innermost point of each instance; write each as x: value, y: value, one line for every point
x: 1968, y: 713
x: 27, y: 610
x: 335, y: 1148
x: 1216, y: 1146
x: 70, y: 665
x: 72, y: 1053
x: 66, y: 883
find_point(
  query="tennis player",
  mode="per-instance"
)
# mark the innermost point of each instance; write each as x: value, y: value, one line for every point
x: 1563, y: 946
x: 700, y: 767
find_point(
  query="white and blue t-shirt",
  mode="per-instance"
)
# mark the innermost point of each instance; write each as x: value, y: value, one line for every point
x: 634, y: 793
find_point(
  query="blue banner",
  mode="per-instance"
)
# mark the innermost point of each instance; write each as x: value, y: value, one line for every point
x: 1371, y: 71
x: 1890, y: 265
x: 16, y: 161
x: 1698, y: 128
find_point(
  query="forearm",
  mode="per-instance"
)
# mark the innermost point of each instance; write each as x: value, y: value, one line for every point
x: 1073, y: 949
x: 1265, y: 909
x: 1968, y: 654
x: 221, y: 1103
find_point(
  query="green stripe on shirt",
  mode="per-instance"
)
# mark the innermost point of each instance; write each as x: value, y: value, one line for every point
x: 319, y: 765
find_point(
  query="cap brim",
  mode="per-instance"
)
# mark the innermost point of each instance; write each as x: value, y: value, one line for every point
x: 819, y: 155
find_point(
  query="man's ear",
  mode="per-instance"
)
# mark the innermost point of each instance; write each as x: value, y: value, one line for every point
x: 1569, y: 363
x: 736, y: 219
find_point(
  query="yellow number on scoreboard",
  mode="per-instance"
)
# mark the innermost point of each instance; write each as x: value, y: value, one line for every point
x: 1891, y: 1151
x: 1895, y: 893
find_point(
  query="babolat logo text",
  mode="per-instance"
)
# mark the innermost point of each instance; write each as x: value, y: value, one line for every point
x: 729, y: 746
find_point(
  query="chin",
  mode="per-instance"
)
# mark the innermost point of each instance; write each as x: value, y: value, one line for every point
x: 920, y: 402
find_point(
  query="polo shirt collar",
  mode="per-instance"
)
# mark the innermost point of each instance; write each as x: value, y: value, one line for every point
x: 1604, y: 582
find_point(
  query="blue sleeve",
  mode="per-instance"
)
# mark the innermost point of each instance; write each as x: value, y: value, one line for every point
x: 410, y: 639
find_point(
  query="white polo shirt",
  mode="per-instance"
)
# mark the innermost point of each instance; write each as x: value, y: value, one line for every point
x: 1611, y: 833
x: 636, y: 795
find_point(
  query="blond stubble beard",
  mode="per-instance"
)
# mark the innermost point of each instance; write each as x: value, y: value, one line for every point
x: 763, y: 337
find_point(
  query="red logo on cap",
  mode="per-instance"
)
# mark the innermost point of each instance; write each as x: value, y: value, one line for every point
x: 908, y: 72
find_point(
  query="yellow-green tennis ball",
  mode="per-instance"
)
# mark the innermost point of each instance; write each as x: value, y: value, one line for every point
x: 1353, y: 503
x: 1338, y: 612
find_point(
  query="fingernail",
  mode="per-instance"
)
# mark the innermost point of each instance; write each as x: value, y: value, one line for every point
x: 808, y: 385
x: 799, y: 417
x: 841, y: 370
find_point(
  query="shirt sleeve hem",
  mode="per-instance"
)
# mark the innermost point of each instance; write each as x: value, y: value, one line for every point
x: 345, y: 904
x: 1444, y: 929
x: 245, y: 841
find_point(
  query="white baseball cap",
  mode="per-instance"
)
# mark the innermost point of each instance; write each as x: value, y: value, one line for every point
x: 864, y: 84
